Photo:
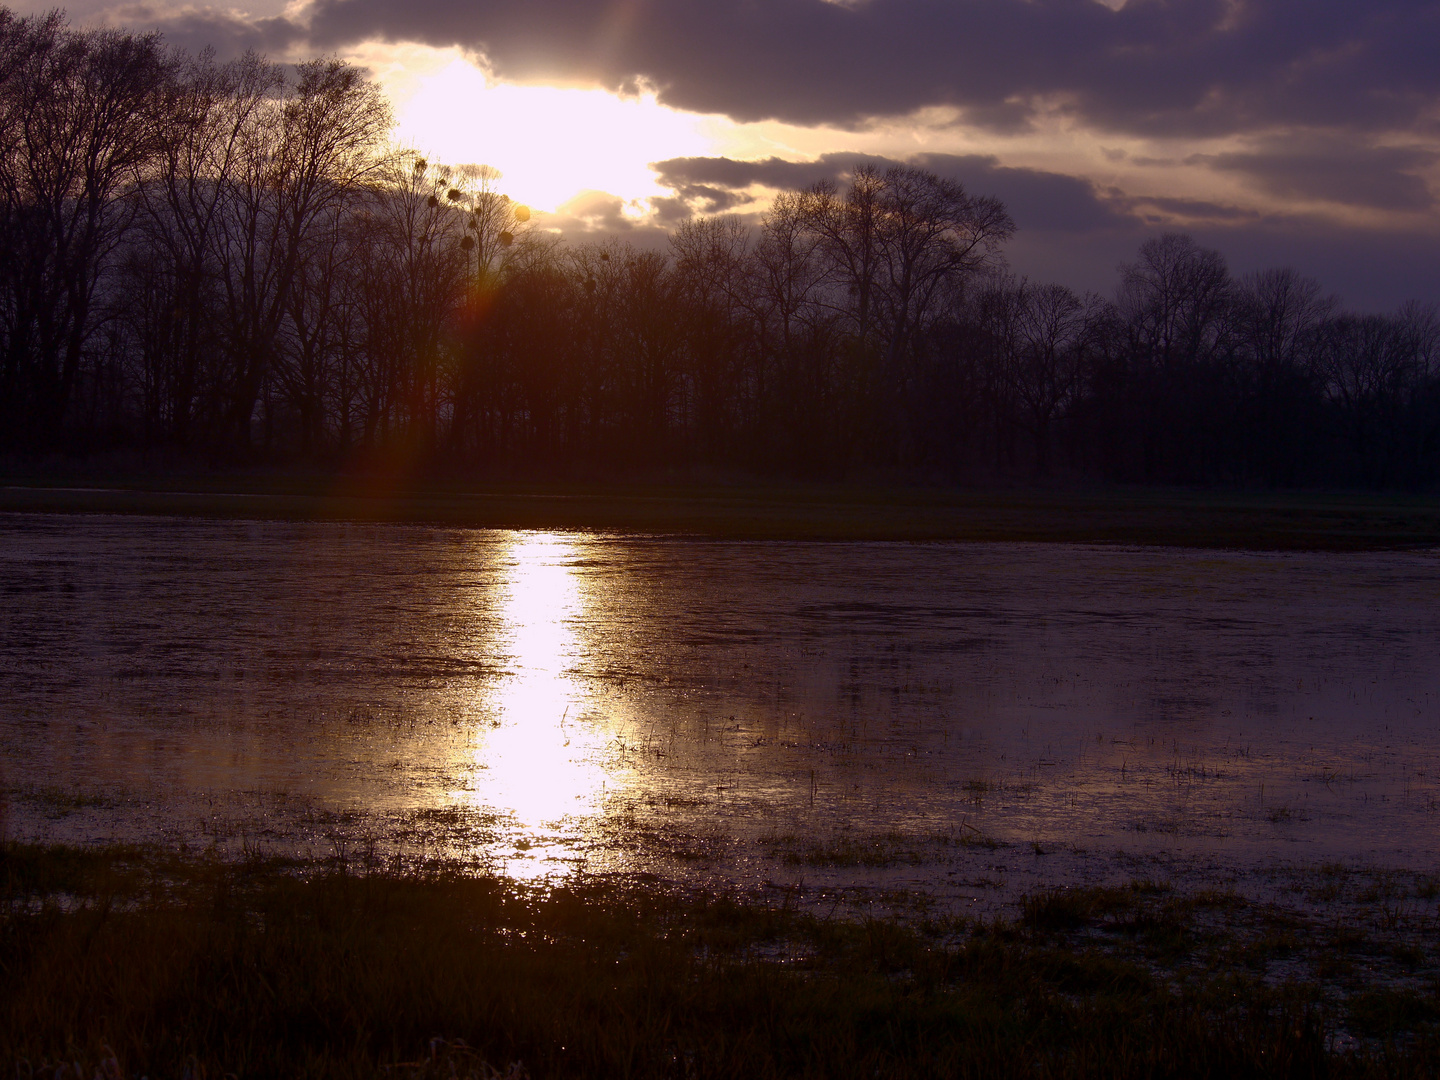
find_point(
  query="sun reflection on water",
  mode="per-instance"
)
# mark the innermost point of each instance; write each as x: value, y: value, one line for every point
x: 537, y: 762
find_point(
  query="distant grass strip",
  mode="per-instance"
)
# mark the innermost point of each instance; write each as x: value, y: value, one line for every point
x: 132, y: 962
x: 1159, y: 516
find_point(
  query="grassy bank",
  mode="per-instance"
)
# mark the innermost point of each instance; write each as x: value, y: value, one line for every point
x: 1211, y: 519
x: 134, y: 962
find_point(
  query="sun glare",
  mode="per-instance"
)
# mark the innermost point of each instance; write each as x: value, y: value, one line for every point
x: 548, y: 143
x: 540, y: 761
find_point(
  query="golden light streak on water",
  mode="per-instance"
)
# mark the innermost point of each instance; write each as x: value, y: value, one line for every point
x: 538, y: 760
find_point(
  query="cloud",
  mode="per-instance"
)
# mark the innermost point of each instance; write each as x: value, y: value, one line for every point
x: 599, y: 215
x: 596, y: 211
x: 1315, y: 101
x: 1035, y: 199
x: 1178, y: 212
x: 1073, y: 232
x: 686, y: 173
x: 694, y: 198
x: 228, y: 32
x: 1159, y: 67
x: 1333, y: 170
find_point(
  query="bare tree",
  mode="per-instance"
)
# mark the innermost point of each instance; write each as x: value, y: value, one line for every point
x: 82, y: 113
x: 1278, y: 317
x: 786, y: 273
x: 710, y: 255
x: 1377, y: 372
x: 1175, y: 297
x: 936, y: 234
x: 897, y: 246
x: 309, y: 359
x: 300, y: 155
x: 848, y: 228
x: 183, y: 199
x: 895, y: 241
x: 1050, y: 359
x: 1279, y: 312
x: 413, y: 281
x: 497, y: 227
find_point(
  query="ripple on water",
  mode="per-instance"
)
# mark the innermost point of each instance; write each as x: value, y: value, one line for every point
x: 952, y: 717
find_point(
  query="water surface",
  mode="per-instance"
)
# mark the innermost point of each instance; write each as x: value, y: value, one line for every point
x: 964, y: 719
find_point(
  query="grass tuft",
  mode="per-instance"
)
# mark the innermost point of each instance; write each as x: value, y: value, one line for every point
x: 131, y: 962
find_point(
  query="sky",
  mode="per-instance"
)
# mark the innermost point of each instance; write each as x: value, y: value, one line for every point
x: 1300, y: 133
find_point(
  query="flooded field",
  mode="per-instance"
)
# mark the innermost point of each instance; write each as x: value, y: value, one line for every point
x: 968, y: 721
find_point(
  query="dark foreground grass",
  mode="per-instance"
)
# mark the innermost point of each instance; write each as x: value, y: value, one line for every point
x: 129, y: 962
x: 1161, y: 516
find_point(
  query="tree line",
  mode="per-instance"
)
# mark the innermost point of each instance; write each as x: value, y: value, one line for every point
x: 230, y: 262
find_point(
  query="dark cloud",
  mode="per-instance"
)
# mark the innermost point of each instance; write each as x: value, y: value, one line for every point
x: 1170, y: 211
x: 731, y: 173
x: 1168, y: 67
x: 1337, y: 171
x: 1036, y: 200
x: 700, y: 198
x: 228, y: 33
x: 669, y: 209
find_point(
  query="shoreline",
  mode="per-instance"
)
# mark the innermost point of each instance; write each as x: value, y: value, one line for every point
x: 1215, y: 520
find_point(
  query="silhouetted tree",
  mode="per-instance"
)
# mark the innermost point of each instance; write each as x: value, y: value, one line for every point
x: 1379, y: 376
x: 172, y: 263
x: 720, y: 381
x: 82, y: 115
x: 197, y: 253
x: 299, y: 155
x: 1278, y: 318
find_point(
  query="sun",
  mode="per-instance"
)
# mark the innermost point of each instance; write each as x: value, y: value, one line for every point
x: 548, y: 143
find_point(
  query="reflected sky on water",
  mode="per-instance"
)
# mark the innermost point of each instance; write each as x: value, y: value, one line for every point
x: 916, y: 715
